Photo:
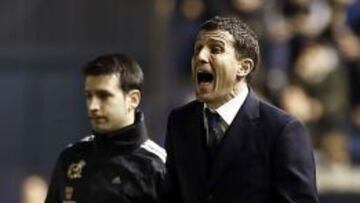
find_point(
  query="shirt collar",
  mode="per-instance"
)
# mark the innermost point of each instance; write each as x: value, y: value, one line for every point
x: 229, y: 110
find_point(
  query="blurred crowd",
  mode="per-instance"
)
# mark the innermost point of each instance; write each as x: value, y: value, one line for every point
x: 310, y: 68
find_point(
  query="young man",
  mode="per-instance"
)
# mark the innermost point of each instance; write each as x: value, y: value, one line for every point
x: 228, y: 146
x: 118, y: 163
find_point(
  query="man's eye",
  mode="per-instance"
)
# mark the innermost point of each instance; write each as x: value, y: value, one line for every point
x: 103, y: 96
x: 87, y: 96
x: 216, y: 49
x: 197, y: 49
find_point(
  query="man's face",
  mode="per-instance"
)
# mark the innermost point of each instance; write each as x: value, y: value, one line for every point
x: 108, y: 106
x: 215, y: 67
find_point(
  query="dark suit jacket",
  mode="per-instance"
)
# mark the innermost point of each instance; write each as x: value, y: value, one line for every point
x: 264, y: 157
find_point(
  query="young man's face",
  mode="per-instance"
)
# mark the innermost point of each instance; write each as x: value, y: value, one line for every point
x: 215, y: 66
x: 109, y: 108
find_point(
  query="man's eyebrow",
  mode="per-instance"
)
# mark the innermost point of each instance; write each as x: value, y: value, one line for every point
x: 201, y: 41
x: 102, y: 91
x: 98, y: 91
x: 216, y: 41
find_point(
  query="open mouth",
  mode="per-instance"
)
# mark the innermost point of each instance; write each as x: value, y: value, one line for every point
x: 204, y: 77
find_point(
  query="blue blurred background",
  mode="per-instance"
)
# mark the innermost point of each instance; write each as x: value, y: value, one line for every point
x: 310, y: 67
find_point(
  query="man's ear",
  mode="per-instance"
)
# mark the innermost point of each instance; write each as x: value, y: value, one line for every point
x: 245, y: 66
x: 133, y: 99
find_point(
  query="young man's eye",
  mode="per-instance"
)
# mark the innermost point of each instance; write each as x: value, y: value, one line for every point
x: 88, y: 96
x: 103, y: 96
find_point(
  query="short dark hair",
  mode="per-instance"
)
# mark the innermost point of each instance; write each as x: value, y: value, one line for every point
x: 128, y: 70
x: 247, y: 44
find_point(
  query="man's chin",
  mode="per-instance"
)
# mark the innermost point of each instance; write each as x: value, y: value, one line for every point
x: 100, y: 129
x: 211, y: 99
x: 204, y: 97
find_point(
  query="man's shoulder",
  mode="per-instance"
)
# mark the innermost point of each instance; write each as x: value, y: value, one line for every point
x: 82, y: 146
x: 187, y: 108
x: 275, y: 115
x: 153, y: 156
x: 269, y: 108
x: 153, y: 150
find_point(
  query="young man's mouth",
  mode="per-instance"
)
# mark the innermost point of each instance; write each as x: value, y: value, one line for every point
x: 98, y: 119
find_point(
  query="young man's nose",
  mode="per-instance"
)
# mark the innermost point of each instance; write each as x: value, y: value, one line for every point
x: 93, y: 104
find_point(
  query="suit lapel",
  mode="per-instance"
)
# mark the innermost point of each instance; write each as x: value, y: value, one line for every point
x: 233, y: 142
x: 197, y: 153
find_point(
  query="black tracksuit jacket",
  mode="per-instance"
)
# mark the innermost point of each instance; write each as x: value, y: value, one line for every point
x: 121, y: 167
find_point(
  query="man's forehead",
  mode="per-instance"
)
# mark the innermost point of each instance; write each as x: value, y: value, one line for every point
x: 103, y: 77
x: 221, y: 35
x: 101, y: 80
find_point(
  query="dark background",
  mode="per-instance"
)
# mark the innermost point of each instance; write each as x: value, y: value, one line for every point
x: 44, y: 44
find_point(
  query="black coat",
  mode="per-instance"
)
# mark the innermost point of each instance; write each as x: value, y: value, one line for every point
x: 264, y: 157
x: 124, y: 167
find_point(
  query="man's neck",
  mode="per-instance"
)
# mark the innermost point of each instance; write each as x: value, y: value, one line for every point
x: 238, y: 88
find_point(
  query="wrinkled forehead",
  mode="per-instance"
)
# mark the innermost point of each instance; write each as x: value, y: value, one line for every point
x: 214, y: 35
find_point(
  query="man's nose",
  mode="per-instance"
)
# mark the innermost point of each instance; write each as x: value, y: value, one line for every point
x: 203, y: 55
x: 93, y: 104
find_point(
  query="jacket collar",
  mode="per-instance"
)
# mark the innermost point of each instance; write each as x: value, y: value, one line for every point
x: 251, y: 106
x: 122, y: 140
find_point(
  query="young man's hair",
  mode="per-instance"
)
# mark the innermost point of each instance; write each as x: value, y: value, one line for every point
x: 128, y: 70
x: 247, y: 45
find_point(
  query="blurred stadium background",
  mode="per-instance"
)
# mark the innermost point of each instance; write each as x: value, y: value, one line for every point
x: 310, y: 67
